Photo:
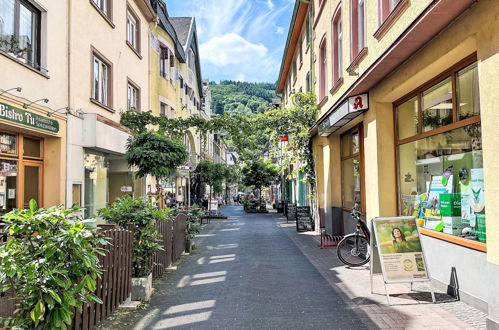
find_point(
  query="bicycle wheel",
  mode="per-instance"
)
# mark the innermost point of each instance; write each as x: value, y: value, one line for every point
x: 354, y: 250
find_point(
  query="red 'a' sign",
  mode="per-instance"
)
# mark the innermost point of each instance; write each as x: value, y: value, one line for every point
x: 284, y: 138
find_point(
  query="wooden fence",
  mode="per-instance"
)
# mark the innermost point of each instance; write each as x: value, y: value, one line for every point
x: 179, y: 226
x: 163, y: 259
x: 113, y: 287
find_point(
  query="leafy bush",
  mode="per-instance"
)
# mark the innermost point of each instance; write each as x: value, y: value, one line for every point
x: 139, y: 212
x: 51, y: 264
x: 194, y: 214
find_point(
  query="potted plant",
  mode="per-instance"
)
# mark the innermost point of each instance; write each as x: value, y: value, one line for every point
x: 139, y: 213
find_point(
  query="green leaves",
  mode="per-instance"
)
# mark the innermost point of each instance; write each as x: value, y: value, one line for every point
x: 139, y: 212
x: 50, y: 263
x: 155, y: 154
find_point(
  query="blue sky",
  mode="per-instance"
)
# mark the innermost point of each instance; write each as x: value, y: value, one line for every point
x: 239, y: 39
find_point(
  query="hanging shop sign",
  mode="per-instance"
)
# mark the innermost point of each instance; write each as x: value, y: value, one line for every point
x: 27, y: 118
x: 345, y: 113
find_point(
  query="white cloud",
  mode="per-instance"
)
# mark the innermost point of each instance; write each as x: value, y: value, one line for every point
x: 279, y: 30
x: 230, y: 49
x: 270, y: 4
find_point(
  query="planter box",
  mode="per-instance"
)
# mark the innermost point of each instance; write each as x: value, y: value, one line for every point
x: 142, y: 288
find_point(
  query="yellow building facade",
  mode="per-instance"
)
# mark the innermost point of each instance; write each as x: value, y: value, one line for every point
x: 406, y: 91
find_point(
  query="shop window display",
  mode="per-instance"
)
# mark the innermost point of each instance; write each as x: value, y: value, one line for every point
x: 351, y: 169
x: 441, y: 175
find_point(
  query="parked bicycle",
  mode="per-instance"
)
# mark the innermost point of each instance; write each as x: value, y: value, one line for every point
x: 354, y: 249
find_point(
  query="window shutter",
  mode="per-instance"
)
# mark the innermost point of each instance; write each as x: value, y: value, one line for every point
x: 172, y: 60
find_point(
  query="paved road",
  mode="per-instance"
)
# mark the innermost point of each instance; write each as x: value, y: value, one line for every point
x: 246, y: 274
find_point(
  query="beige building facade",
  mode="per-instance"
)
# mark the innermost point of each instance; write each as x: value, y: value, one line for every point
x: 406, y: 91
x: 108, y: 58
x: 33, y: 101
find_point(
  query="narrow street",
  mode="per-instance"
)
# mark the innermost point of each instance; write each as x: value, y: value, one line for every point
x: 249, y: 273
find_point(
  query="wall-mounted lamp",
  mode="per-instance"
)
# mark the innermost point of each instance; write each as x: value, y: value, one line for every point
x: 25, y: 106
x: 17, y: 89
x: 66, y: 109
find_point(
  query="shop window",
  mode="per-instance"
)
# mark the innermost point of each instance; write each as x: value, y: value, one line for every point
x: 407, y: 118
x: 8, y: 185
x: 32, y: 147
x: 8, y: 144
x: 20, y: 31
x: 440, y: 163
x: 133, y: 30
x: 96, y: 183
x: 468, y: 98
x: 437, y: 106
x: 351, y: 170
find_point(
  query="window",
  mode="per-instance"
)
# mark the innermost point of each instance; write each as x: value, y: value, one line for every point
x: 439, y: 152
x: 104, y: 6
x: 132, y: 30
x: 309, y: 82
x: 357, y: 27
x: 351, y: 170
x: 20, y: 31
x: 386, y: 7
x: 163, y: 110
x: 164, y: 66
x: 20, y: 171
x: 301, y: 51
x: 101, y: 74
x: 323, y: 70
x: 308, y: 34
x: 133, y: 97
x: 337, y: 46
x: 293, y: 72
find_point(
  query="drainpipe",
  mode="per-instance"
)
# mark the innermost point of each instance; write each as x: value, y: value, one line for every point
x: 68, y: 122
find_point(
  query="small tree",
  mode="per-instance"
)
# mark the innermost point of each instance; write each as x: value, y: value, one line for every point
x: 213, y: 174
x: 259, y: 174
x: 155, y: 154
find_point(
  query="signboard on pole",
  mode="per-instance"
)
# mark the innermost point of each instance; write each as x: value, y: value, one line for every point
x: 400, y: 251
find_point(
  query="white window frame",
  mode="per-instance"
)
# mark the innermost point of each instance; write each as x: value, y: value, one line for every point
x: 100, y: 91
x: 132, y: 30
x: 102, y: 5
x: 133, y: 95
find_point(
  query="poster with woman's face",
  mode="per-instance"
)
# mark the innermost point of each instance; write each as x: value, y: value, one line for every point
x: 400, y: 249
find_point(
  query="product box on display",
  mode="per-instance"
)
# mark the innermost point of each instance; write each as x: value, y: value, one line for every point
x: 450, y: 205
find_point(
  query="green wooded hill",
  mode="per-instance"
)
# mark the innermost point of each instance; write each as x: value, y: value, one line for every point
x: 241, y: 97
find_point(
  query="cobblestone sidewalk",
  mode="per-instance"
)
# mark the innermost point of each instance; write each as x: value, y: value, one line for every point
x: 409, y: 309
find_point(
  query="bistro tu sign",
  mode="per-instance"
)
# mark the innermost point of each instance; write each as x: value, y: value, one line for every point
x: 26, y: 118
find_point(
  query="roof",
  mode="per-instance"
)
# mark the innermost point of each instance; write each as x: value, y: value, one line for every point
x: 297, y: 20
x: 182, y: 26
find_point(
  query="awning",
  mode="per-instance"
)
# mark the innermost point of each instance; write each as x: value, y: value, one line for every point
x: 345, y: 113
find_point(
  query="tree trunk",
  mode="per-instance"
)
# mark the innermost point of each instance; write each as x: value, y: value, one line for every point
x: 209, y: 201
x: 260, y: 206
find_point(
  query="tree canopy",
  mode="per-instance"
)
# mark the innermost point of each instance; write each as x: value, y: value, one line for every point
x: 259, y: 174
x: 242, y: 98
